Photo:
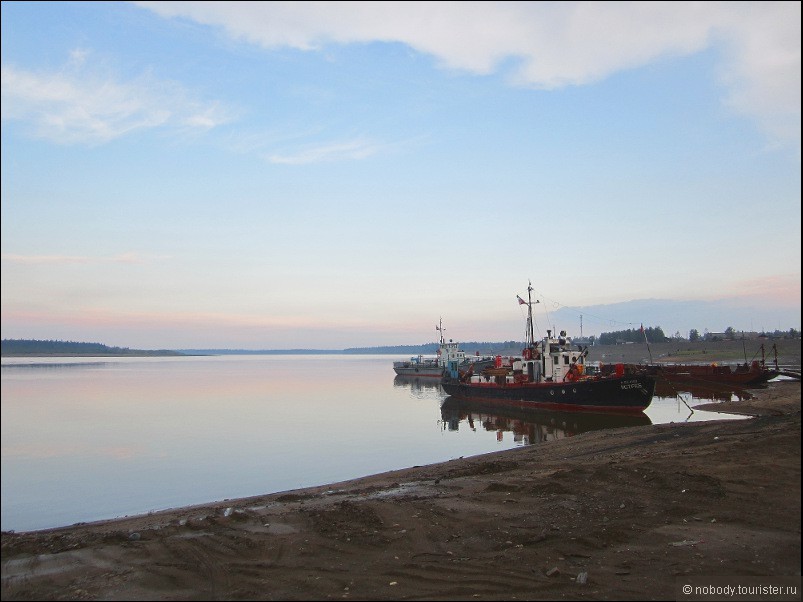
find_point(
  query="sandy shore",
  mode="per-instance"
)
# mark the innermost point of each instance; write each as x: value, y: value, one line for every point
x: 624, y: 514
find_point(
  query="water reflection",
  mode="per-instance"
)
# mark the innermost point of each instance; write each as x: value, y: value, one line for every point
x: 530, y: 425
x: 419, y: 387
x: 54, y: 365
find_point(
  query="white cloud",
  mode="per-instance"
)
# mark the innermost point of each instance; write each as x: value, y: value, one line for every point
x: 75, y: 106
x: 762, y: 73
x: 551, y: 44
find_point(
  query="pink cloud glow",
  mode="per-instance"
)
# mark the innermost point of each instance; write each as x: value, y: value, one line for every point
x: 777, y: 291
x: 176, y: 330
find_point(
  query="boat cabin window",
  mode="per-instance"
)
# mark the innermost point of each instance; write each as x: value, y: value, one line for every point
x: 566, y: 359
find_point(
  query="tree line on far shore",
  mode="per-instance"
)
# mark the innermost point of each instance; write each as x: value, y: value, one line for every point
x: 34, y: 347
x: 50, y: 347
x: 656, y: 335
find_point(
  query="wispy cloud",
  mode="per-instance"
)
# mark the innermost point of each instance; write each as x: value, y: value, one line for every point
x: 549, y: 45
x: 77, y: 259
x: 78, y: 106
x: 351, y: 149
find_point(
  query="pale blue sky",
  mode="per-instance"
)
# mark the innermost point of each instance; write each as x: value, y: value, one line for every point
x: 283, y: 175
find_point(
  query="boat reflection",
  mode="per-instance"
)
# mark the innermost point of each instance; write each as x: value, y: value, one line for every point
x: 702, y: 391
x: 530, y: 425
x: 419, y: 387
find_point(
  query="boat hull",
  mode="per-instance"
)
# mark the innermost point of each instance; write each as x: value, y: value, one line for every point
x: 714, y: 374
x: 625, y: 394
x: 431, y: 370
x: 714, y: 391
x: 419, y: 371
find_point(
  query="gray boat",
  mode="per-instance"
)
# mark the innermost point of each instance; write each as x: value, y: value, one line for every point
x: 433, y: 366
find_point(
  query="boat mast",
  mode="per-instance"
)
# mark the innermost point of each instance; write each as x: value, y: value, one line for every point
x: 439, y: 328
x: 530, y: 335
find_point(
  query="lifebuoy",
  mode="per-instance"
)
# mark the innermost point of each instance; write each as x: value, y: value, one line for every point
x: 527, y: 354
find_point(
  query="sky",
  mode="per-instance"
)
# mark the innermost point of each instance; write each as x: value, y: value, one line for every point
x: 286, y: 175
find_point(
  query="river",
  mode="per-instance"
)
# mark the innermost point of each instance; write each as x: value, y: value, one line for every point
x: 86, y: 439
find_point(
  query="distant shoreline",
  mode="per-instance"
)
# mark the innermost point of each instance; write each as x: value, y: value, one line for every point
x: 51, y: 348
x: 788, y: 351
x: 135, y: 354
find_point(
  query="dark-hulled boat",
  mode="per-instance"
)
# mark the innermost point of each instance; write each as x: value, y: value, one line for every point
x: 551, y: 374
x: 754, y: 373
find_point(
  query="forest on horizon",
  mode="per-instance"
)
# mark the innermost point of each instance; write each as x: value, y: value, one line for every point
x: 33, y: 347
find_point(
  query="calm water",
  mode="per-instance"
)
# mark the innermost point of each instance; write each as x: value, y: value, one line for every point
x: 85, y: 439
